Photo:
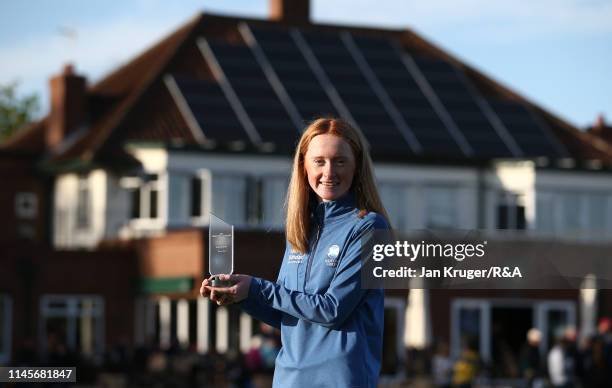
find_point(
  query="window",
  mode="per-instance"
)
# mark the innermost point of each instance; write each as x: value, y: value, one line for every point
x: 83, y: 209
x: 511, y: 211
x: 153, y: 205
x: 490, y: 325
x: 441, y: 208
x: 74, y: 322
x: 229, y: 199
x: 470, y: 326
x: 254, y: 206
x: 274, y: 191
x: 145, y: 198
x: 393, y: 197
x: 597, y: 211
x: 545, y: 212
x: 196, y: 196
x: 248, y: 200
x: 135, y: 209
x: 189, y: 197
x: 393, y: 344
x: 553, y: 316
x: 6, y: 319
x: 574, y: 214
x: 26, y: 205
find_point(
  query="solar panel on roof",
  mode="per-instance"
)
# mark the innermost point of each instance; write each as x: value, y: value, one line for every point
x: 357, y: 94
x: 256, y: 95
x: 407, y: 96
x: 531, y: 135
x: 211, y: 110
x: 461, y: 104
x: 296, y: 76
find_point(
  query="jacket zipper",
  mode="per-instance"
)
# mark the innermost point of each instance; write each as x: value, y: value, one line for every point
x: 312, y: 253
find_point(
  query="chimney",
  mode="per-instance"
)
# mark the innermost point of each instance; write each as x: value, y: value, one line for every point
x: 600, y: 122
x: 68, y: 105
x: 295, y: 12
x: 601, y: 129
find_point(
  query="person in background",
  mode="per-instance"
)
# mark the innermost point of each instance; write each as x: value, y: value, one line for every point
x: 597, y: 374
x: 560, y: 363
x: 530, y: 362
x: 442, y: 366
x: 467, y: 366
x: 604, y: 332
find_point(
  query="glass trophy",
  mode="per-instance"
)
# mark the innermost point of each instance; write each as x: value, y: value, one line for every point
x: 220, y: 250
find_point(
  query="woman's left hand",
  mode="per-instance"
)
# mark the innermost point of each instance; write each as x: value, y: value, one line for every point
x: 228, y: 295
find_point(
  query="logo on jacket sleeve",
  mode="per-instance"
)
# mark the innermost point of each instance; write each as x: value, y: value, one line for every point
x: 295, y: 257
x: 332, y: 255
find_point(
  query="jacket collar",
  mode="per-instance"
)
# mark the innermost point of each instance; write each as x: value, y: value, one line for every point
x: 325, y: 212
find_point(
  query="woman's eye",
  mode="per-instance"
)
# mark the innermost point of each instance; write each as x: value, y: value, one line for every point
x: 340, y: 162
x: 319, y: 162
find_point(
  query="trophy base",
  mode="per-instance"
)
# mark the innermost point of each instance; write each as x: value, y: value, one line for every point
x: 215, y: 282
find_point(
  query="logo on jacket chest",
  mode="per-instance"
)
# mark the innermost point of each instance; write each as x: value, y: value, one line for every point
x: 296, y: 257
x: 332, y: 255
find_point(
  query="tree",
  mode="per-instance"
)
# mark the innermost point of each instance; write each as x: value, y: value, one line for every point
x: 15, y: 112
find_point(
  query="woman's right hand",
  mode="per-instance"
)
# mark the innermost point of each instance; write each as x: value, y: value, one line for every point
x: 232, y: 294
x: 205, y: 288
x: 206, y: 291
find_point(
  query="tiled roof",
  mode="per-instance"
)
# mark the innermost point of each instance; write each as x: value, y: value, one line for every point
x: 28, y: 140
x: 136, y: 102
x: 128, y: 84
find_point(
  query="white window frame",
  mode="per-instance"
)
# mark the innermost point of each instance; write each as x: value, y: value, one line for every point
x: 541, y: 323
x: 205, y: 178
x: 484, y: 308
x: 145, y: 198
x: 7, y: 328
x: 144, y: 187
x: 71, y: 313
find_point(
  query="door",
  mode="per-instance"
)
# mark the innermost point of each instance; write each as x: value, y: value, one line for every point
x: 470, y: 326
x: 552, y: 317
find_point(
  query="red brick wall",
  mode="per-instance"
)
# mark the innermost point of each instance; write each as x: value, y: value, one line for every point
x: 178, y: 253
x: 17, y: 175
x: 28, y: 272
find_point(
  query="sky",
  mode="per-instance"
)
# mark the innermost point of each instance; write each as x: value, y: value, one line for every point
x: 556, y: 53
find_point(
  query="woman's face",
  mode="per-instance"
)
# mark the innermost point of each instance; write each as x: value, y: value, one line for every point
x: 330, y: 166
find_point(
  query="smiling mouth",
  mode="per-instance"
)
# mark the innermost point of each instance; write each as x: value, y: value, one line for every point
x: 329, y: 184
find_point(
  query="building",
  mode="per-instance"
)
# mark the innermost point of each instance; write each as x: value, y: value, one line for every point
x: 106, y: 199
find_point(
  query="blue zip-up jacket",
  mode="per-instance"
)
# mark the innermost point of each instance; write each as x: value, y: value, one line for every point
x: 331, y: 328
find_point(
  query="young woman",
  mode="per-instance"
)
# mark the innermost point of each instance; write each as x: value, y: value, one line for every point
x: 331, y: 328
